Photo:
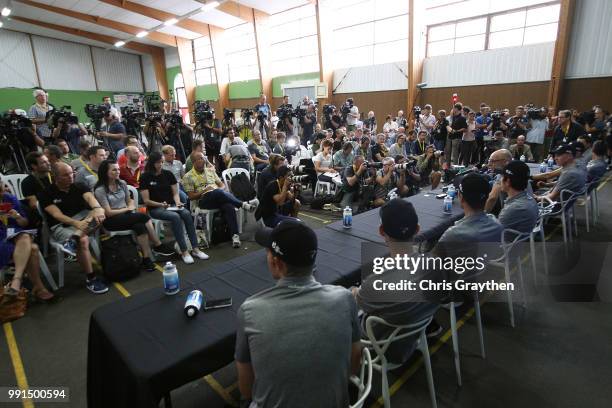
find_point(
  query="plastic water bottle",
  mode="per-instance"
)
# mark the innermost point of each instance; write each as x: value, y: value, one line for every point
x: 551, y: 162
x: 193, y: 303
x: 543, y: 167
x: 171, y: 279
x: 523, y: 158
x: 448, y: 204
x: 452, y: 193
x: 347, y: 217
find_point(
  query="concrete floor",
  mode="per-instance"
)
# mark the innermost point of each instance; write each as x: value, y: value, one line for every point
x: 557, y: 356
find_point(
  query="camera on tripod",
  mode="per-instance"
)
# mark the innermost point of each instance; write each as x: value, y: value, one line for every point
x: 65, y: 113
x: 174, y: 118
x: 246, y: 115
x: 96, y: 113
x: 228, y: 115
x: 417, y: 111
x: 284, y: 112
x: 203, y: 112
x: 535, y: 113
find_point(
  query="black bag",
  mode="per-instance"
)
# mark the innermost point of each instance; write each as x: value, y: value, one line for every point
x: 120, y: 258
x: 220, y: 230
x: 241, y: 187
x: 317, y: 203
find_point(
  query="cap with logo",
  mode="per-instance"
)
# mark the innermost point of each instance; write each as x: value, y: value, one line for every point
x: 291, y: 240
x: 564, y: 148
x: 518, y: 170
x: 399, y: 219
x: 475, y: 186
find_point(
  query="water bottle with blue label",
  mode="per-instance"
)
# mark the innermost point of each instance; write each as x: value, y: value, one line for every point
x: 171, y: 279
x: 193, y: 303
x: 347, y: 217
x: 452, y: 193
x: 551, y: 162
x: 448, y: 204
x: 543, y: 167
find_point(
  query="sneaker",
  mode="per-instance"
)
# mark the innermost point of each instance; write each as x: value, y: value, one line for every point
x: 434, y: 329
x: 148, y: 265
x: 70, y: 258
x: 250, y: 206
x: 235, y: 241
x: 254, y: 202
x: 163, y: 250
x: 70, y: 247
x: 187, y: 258
x: 199, y: 254
x: 96, y: 286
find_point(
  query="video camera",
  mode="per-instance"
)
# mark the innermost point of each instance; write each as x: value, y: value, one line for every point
x: 153, y: 103
x: 328, y: 109
x: 228, y: 115
x: 96, y: 113
x: 417, y: 111
x: 246, y: 115
x: 203, y: 112
x: 284, y: 112
x: 174, y: 118
x: 12, y: 124
x: 535, y: 113
x: 154, y: 117
x: 64, y: 112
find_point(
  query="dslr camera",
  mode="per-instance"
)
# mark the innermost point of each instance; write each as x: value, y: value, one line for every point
x: 373, y: 165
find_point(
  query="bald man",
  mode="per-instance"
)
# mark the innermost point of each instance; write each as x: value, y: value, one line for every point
x: 131, y: 171
x: 73, y: 213
x: 498, y: 160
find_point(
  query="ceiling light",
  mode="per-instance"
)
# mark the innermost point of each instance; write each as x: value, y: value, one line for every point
x: 119, y: 43
x: 170, y: 22
x: 6, y: 12
x: 210, y: 5
x: 142, y: 34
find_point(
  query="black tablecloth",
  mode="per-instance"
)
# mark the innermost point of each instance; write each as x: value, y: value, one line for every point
x: 534, y: 168
x: 143, y: 346
x: 432, y: 219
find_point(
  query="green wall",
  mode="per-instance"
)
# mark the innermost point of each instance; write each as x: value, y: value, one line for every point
x: 207, y: 93
x: 277, y: 92
x: 245, y: 89
x: 22, y: 98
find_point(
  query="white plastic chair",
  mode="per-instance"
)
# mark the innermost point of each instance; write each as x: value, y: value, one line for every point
x: 565, y: 211
x: 364, y: 386
x: 228, y: 174
x: 209, y: 215
x: 13, y: 181
x: 590, y: 202
x: 324, y: 187
x: 380, y: 346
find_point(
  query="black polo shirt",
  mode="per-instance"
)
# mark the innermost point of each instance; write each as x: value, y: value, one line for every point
x: 32, y: 185
x: 70, y: 203
x: 159, y: 186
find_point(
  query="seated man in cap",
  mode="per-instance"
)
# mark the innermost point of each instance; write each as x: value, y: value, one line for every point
x: 318, y: 348
x: 399, y: 225
x: 278, y: 202
x: 572, y: 177
x: 520, y: 211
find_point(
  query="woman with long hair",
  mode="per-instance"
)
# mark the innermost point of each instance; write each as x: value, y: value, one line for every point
x: 159, y: 191
x: 114, y: 197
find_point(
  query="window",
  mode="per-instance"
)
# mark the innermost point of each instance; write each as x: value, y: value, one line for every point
x: 369, y: 32
x: 204, y: 63
x: 529, y: 25
x: 240, y: 53
x: 293, y: 41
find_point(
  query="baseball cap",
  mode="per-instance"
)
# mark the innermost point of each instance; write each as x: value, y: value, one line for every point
x: 578, y: 147
x: 291, y: 240
x: 399, y: 219
x: 564, y: 148
x: 474, y: 187
x: 517, y: 170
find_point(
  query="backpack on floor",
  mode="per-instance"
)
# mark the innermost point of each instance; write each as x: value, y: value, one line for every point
x: 220, y: 230
x: 241, y: 187
x: 120, y: 258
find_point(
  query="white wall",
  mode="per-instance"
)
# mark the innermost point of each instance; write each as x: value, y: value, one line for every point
x: 500, y: 66
x: 172, y: 58
x: 590, y: 51
x: 16, y: 61
x: 66, y: 65
x: 149, y: 74
x: 383, y: 77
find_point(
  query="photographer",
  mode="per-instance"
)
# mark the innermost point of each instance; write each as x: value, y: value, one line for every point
x: 269, y: 173
x: 439, y: 132
x: 106, y: 101
x: 401, y: 120
x: 370, y: 122
x: 458, y: 125
x: 260, y: 151
x: 278, y: 202
x: 538, y: 123
x: 308, y: 125
x: 350, y: 113
x: 399, y: 147
x: 428, y: 166
x: 357, y: 182
x: 38, y: 114
x: 114, y: 133
x: 380, y: 149
x: 427, y: 121
x: 212, y: 131
x: 264, y: 114
x: 70, y: 132
x: 387, y: 179
x: 517, y: 124
x: 413, y: 178
x: 483, y: 125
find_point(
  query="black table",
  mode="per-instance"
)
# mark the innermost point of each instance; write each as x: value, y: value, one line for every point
x: 432, y: 219
x: 142, y: 347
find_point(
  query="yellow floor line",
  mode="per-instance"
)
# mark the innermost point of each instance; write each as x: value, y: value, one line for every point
x: 218, y: 388
x: 313, y: 217
x: 121, y: 289
x: 603, y: 183
x: 232, y: 387
x: 22, y: 381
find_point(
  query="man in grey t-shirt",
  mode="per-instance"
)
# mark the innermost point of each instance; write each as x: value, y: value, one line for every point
x: 520, y: 211
x: 572, y: 178
x: 296, y: 342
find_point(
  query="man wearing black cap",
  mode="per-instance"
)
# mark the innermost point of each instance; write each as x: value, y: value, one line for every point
x: 520, y: 211
x: 572, y: 177
x: 399, y: 223
x: 297, y: 342
x: 278, y: 202
x: 476, y: 225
